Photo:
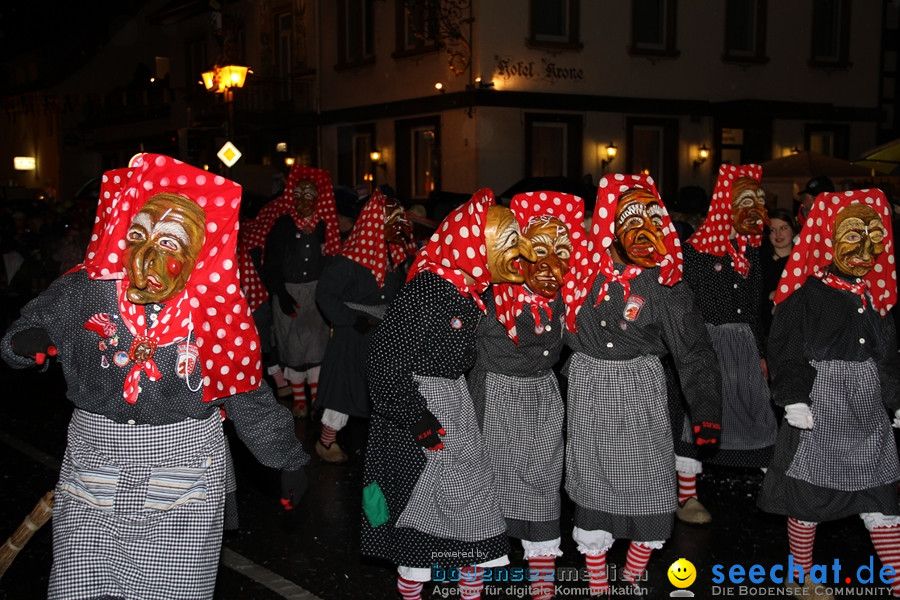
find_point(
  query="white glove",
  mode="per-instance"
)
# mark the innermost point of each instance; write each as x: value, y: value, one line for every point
x: 798, y: 415
x: 896, y: 422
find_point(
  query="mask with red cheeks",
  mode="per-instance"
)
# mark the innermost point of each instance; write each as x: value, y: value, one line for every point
x: 748, y: 206
x: 550, y: 239
x: 505, y: 245
x: 858, y: 239
x: 162, y: 246
x: 638, y: 228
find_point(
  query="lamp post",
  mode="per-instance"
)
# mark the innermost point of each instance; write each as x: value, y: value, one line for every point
x: 222, y: 80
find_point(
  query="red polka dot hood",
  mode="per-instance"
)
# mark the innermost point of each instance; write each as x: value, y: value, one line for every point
x: 814, y: 252
x: 603, y: 233
x: 511, y: 298
x: 456, y: 249
x: 255, y: 231
x: 211, y: 305
x: 712, y: 235
x: 366, y: 244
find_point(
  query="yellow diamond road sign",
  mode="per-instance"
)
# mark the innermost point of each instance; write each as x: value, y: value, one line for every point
x: 229, y: 154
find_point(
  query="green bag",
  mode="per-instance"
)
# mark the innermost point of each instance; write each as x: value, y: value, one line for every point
x: 375, y: 505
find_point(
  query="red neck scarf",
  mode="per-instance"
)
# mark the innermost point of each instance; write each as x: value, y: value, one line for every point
x: 510, y: 298
x: 457, y: 249
x: 603, y: 234
x: 211, y: 305
x: 712, y: 235
x: 255, y: 231
x: 814, y: 253
x: 366, y: 244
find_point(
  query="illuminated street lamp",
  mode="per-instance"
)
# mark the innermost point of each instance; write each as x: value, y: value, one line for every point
x: 222, y: 80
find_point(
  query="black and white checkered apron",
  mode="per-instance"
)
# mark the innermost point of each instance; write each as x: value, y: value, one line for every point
x: 455, y: 496
x: 748, y: 421
x: 138, y: 510
x: 302, y: 339
x: 852, y: 445
x: 523, y: 424
x: 619, y: 455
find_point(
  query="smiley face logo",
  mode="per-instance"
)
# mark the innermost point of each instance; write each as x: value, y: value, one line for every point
x: 682, y: 573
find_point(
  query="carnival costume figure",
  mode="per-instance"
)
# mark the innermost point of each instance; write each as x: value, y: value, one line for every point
x: 156, y: 343
x: 723, y: 269
x: 833, y: 359
x: 353, y: 294
x: 429, y: 498
x: 631, y: 310
x: 514, y: 385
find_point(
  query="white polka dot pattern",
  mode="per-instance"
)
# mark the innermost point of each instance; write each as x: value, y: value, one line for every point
x: 366, y: 244
x: 510, y: 298
x: 449, y: 254
x: 609, y: 189
x: 812, y: 253
x: 213, y: 287
x: 712, y: 235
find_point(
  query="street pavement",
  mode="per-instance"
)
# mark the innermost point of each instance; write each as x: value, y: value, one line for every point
x: 313, y: 552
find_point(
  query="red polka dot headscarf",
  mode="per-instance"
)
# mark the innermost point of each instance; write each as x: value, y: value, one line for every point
x: 366, y: 244
x: 457, y: 248
x: 603, y: 234
x: 712, y: 235
x: 511, y: 298
x: 211, y: 305
x: 255, y: 231
x: 813, y: 253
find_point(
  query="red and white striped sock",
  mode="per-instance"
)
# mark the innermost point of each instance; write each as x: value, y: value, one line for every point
x: 541, y: 576
x: 312, y: 378
x: 887, y: 545
x: 687, y: 486
x: 636, y: 561
x: 471, y: 582
x: 328, y: 435
x: 801, y: 536
x: 299, y: 391
x: 596, y: 568
x: 409, y: 590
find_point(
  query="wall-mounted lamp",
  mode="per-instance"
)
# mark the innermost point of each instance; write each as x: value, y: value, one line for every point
x: 375, y: 155
x: 289, y: 161
x: 607, y: 154
x: 482, y: 84
x: 702, y: 156
x: 439, y: 87
x: 795, y: 150
x: 24, y: 163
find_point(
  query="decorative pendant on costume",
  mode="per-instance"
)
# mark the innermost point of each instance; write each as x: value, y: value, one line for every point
x: 142, y: 349
x: 101, y: 345
x: 121, y: 358
x: 633, y: 307
x: 104, y: 362
x: 717, y: 267
x: 456, y: 323
x: 187, y: 359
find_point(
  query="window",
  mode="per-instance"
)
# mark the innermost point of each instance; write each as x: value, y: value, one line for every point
x: 197, y: 62
x: 652, y: 149
x: 418, y: 157
x: 553, y: 145
x: 355, y: 142
x: 284, y: 44
x: 745, y: 31
x: 554, y: 24
x: 418, y: 26
x: 653, y: 27
x: 830, y: 33
x: 355, y: 33
x: 831, y: 140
